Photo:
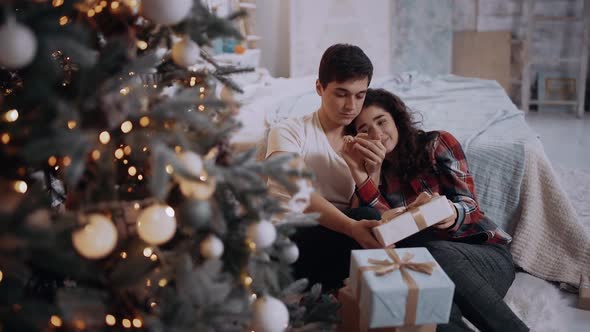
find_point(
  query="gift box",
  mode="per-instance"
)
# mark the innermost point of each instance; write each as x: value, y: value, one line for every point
x: 402, y: 222
x: 399, y: 287
x: 584, y: 295
x: 349, y: 311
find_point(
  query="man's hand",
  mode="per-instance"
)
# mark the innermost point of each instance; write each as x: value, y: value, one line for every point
x: 373, y: 153
x: 450, y: 221
x: 361, y: 232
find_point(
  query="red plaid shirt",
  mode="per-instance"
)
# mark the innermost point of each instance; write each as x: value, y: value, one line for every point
x: 449, y: 176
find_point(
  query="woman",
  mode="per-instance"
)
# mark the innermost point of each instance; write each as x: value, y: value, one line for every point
x: 392, y: 162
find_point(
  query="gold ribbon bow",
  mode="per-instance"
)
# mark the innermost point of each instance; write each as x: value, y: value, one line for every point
x: 422, y: 199
x: 383, y: 267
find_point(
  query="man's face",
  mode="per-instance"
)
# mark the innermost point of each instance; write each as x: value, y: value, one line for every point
x: 343, y: 101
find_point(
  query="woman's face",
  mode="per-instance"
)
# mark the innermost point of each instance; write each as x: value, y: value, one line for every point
x: 379, y: 125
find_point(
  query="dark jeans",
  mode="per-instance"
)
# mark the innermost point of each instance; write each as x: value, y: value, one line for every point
x: 482, y: 273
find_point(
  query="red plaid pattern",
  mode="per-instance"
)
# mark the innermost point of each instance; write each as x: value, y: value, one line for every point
x: 450, y: 177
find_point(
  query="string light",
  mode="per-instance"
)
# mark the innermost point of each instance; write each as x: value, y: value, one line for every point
x: 169, y: 211
x: 251, y: 245
x: 201, y: 108
x: 5, y: 138
x: 192, y: 81
x: 153, y: 257
x: 72, y: 124
x: 11, y: 115
x: 126, y: 126
x: 178, y: 149
x: 247, y: 281
x: 95, y: 155
x: 119, y: 153
x: 136, y: 206
x: 201, y: 89
x: 153, y: 304
x: 20, y: 186
x: 137, y: 323
x: 79, y: 324
x: 132, y: 171
x: 140, y: 177
x: 63, y: 20
x: 169, y: 169
x: 123, y: 254
x: 67, y: 161
x: 52, y: 161
x: 56, y: 321
x: 104, y: 137
x: 144, y: 121
x: 98, y: 9
x: 124, y: 91
x: 1, y: 275
x: 147, y: 252
x: 110, y: 320
x: 125, y: 162
x: 57, y: 3
x: 141, y: 45
x: 91, y: 13
x: 126, y: 323
x: 163, y: 282
x: 144, y: 149
x: 148, y: 282
x: 103, y: 4
x: 127, y: 150
x: 114, y: 5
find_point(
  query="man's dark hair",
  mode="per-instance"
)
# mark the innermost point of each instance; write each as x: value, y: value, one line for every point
x: 342, y: 62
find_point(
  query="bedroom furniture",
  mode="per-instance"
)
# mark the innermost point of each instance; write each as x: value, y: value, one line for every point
x: 581, y: 60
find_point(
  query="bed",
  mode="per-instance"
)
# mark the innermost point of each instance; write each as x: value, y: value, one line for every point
x: 515, y: 182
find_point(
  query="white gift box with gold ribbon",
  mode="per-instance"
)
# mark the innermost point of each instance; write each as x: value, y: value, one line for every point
x: 400, y: 223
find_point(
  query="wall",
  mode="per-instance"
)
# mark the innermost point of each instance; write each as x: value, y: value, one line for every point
x: 272, y: 24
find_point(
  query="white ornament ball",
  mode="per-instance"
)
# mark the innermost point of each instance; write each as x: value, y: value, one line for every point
x: 97, y: 238
x: 167, y: 12
x: 185, y: 52
x: 262, y: 233
x: 289, y: 254
x: 270, y: 315
x: 19, y: 45
x: 211, y: 247
x: 156, y: 224
x: 192, y: 162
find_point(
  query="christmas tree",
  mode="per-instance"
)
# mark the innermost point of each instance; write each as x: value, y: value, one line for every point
x: 123, y: 205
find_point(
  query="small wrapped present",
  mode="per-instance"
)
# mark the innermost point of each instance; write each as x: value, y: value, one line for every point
x: 349, y: 311
x: 584, y: 296
x: 393, y: 291
x: 402, y: 222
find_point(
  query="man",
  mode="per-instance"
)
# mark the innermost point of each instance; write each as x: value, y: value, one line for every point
x: 344, y: 75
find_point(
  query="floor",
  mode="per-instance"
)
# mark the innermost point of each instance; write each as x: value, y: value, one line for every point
x: 567, y: 143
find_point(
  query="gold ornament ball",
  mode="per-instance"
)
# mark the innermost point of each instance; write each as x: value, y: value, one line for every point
x: 185, y: 52
x: 156, y: 224
x: 97, y: 238
x: 197, y: 189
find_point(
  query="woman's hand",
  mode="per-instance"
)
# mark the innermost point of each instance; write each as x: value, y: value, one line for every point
x: 361, y: 231
x: 373, y: 153
x: 450, y: 221
x: 354, y: 160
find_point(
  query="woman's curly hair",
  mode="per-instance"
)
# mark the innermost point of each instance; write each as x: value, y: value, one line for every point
x: 411, y: 156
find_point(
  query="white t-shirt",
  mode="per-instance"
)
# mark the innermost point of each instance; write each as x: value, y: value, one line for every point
x: 306, y: 137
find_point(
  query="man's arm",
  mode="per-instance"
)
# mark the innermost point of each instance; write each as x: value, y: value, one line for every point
x: 331, y: 217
